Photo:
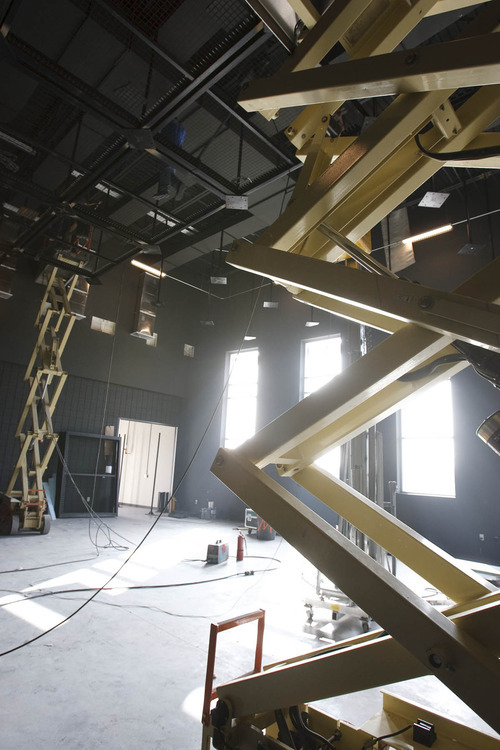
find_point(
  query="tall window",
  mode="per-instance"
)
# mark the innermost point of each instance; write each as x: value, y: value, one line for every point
x: 241, y: 397
x: 321, y: 361
x: 427, y: 463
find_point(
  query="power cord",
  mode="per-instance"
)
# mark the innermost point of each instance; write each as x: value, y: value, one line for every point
x: 146, y: 535
x: 43, y: 594
x: 370, y: 743
x: 102, y: 526
x: 301, y: 726
x: 50, y: 565
x: 465, y: 155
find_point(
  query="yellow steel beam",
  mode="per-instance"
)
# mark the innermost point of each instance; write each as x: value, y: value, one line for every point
x: 398, y: 713
x: 333, y: 147
x: 48, y: 289
x: 461, y: 317
x: 328, y: 30
x: 306, y: 11
x: 363, y: 415
x: 392, y: 129
x: 379, y: 29
x: 348, y: 397
x: 456, y: 658
x: 365, y: 666
x: 330, y: 27
x: 21, y: 463
x: 405, y: 350
x: 366, y: 662
x: 359, y: 201
x: 383, y: 139
x: 444, y: 6
x: 449, y: 65
x: 31, y: 397
x: 48, y: 453
x: 434, y: 565
x: 350, y: 312
x: 39, y: 342
x: 57, y: 392
x: 69, y: 328
x: 383, y: 26
x: 482, y: 141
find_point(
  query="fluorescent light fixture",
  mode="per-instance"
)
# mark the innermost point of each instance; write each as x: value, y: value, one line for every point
x: 249, y: 337
x: 148, y: 269
x: 15, y: 142
x: 100, y: 186
x: 430, y: 233
x: 188, y: 230
x: 109, y: 191
x: 159, y: 217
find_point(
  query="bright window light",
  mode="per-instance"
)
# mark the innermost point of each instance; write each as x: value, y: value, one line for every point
x: 427, y: 442
x: 321, y: 361
x: 40, y: 617
x: 241, y: 397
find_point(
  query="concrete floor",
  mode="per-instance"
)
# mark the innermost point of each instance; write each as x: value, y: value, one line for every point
x: 128, y: 670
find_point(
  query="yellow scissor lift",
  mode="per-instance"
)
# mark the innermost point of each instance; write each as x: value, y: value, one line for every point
x: 346, y: 187
x: 25, y: 493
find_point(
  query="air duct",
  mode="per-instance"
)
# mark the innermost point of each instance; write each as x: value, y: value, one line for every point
x: 145, y: 314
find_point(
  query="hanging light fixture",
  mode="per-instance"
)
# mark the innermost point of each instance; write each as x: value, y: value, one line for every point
x: 311, y: 323
x: 219, y: 277
x: 470, y: 247
x: 270, y: 304
x: 208, y: 320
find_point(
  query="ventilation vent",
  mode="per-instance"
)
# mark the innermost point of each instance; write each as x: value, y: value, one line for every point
x: 103, y: 325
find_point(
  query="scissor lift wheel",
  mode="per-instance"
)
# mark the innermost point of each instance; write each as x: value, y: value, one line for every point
x: 45, y: 526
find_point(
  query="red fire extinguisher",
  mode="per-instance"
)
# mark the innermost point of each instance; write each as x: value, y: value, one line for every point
x: 240, y: 547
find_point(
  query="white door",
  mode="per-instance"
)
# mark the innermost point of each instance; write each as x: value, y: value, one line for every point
x: 147, y: 461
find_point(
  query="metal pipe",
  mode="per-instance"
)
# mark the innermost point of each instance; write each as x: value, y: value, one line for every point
x: 365, y: 260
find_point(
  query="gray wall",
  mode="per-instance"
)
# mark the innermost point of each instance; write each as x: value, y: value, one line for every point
x: 122, y: 377
x: 109, y: 376
x: 279, y: 334
x: 455, y: 524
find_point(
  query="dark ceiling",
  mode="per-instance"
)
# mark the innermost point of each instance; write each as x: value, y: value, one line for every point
x: 119, y: 126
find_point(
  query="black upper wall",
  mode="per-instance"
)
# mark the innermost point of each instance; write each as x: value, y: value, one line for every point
x: 109, y: 377
x: 121, y: 359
